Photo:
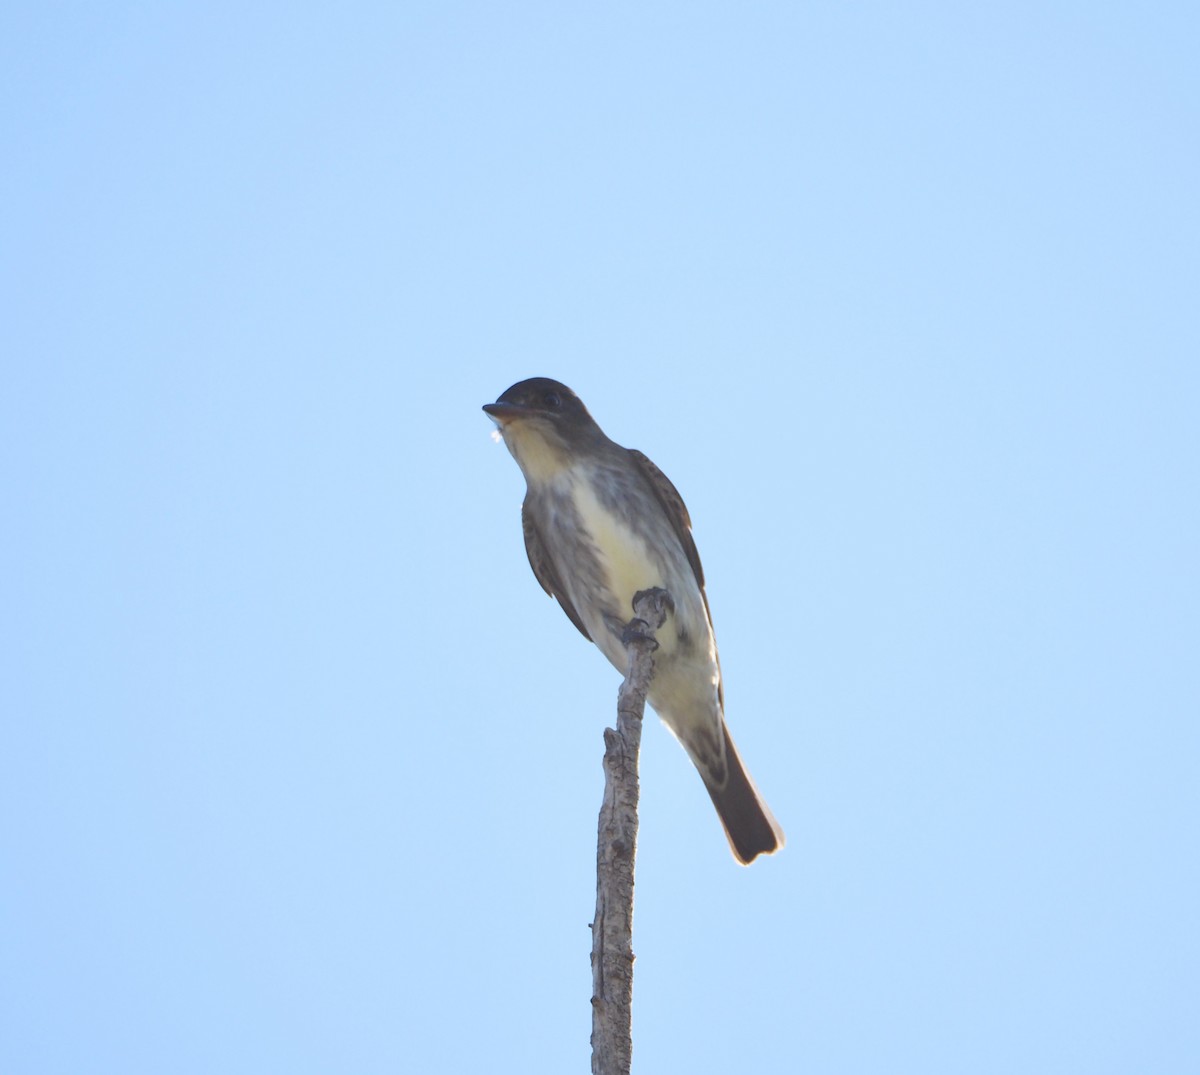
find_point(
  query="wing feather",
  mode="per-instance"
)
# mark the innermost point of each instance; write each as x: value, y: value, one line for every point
x: 672, y: 503
x: 544, y: 570
x: 677, y: 513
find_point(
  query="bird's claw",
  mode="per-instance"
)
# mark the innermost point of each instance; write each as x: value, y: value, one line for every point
x: 660, y: 603
x: 650, y: 608
x: 638, y: 630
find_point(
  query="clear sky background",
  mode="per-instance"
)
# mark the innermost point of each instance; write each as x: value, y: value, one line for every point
x: 299, y: 767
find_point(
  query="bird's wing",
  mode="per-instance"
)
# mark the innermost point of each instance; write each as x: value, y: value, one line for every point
x: 672, y: 503
x: 677, y: 513
x: 543, y: 569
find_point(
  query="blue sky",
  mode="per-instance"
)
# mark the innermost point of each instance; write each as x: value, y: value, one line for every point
x: 300, y: 768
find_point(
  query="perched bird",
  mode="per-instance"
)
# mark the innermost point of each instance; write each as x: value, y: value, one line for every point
x: 601, y: 523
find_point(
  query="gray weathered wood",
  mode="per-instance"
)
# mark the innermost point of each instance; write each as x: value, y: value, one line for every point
x: 616, y: 845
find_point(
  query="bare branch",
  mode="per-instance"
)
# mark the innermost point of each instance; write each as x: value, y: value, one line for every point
x: 616, y: 845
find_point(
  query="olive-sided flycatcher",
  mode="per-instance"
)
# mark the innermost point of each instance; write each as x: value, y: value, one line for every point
x: 601, y: 523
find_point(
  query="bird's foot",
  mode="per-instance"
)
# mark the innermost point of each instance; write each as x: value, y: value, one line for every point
x: 638, y: 630
x: 653, y: 605
x: 650, y: 608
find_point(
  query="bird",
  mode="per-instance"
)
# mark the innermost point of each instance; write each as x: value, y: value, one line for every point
x: 601, y: 523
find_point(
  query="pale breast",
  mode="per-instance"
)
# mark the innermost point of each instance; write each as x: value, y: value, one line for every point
x: 624, y: 553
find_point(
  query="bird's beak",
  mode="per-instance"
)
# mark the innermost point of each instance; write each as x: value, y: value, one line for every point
x: 503, y: 413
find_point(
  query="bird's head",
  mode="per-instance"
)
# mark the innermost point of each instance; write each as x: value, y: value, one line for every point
x: 542, y: 421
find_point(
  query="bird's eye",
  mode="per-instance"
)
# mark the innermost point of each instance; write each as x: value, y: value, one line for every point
x: 552, y: 399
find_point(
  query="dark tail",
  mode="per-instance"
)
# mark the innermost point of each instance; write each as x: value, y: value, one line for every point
x: 751, y: 828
